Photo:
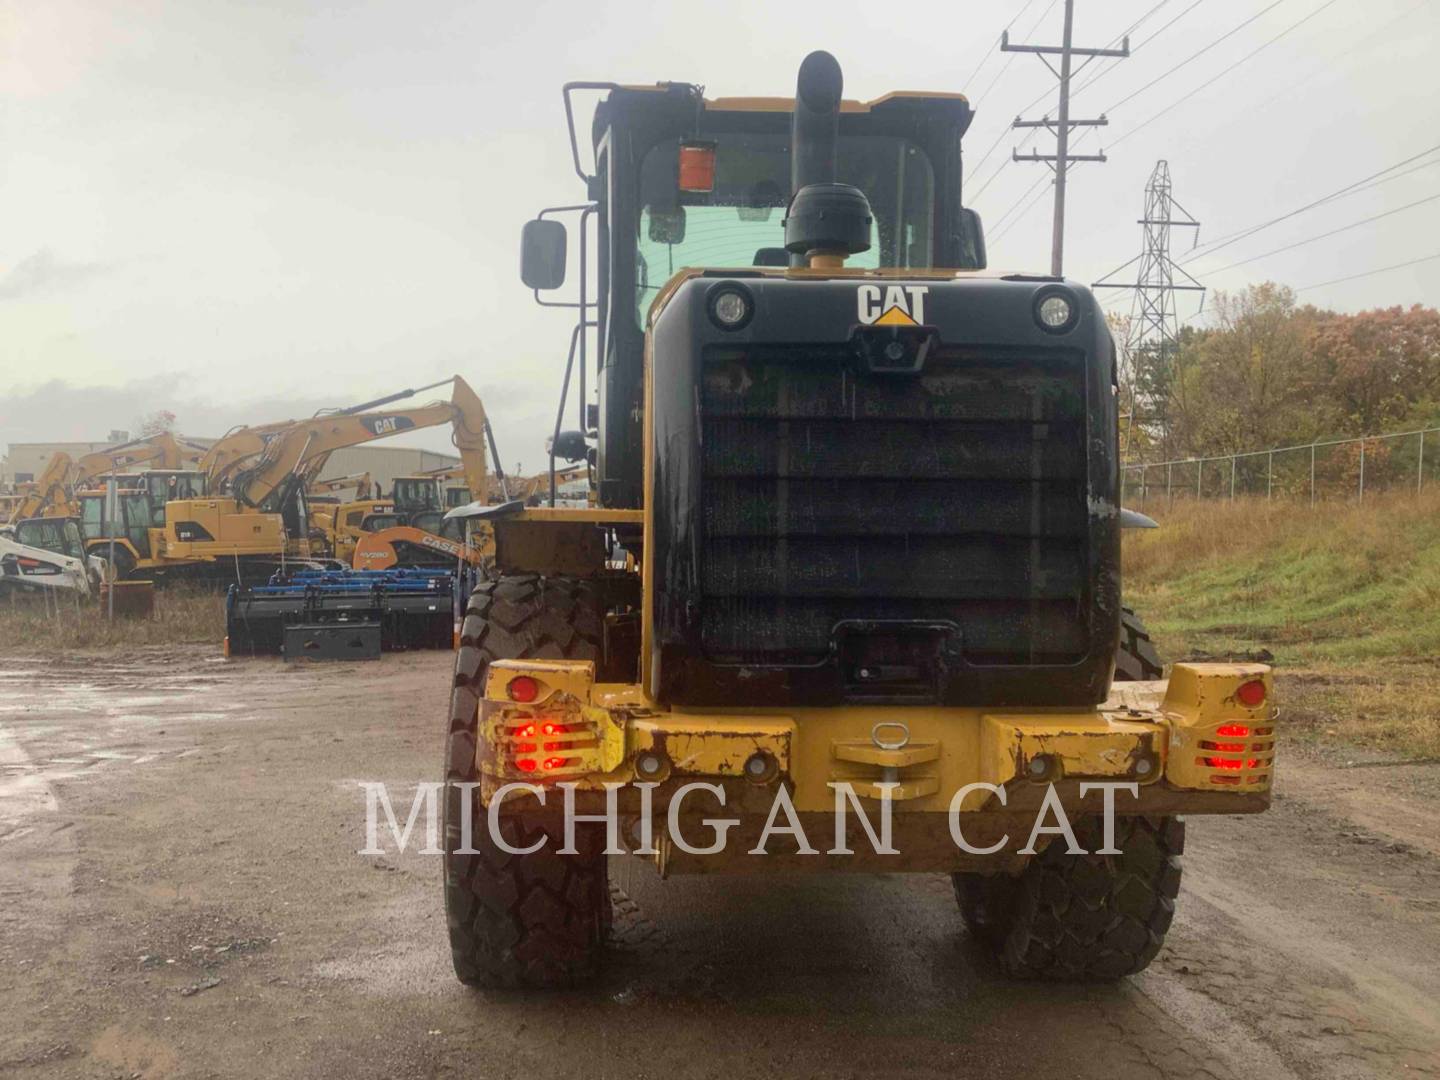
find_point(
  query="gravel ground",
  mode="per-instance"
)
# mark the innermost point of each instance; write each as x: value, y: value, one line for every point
x: 180, y: 895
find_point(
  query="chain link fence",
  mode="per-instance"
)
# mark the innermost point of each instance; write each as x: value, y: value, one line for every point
x: 1333, y: 469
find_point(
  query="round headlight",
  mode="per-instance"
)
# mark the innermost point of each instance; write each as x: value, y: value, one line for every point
x: 730, y: 308
x: 1055, y: 312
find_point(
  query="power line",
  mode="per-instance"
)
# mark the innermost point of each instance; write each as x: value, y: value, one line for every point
x: 1016, y: 204
x: 1113, y: 65
x: 1006, y: 66
x: 1326, y: 235
x: 994, y: 46
x: 1359, y: 185
x: 1108, y: 68
x: 1208, y: 82
x: 1195, y: 55
x: 1370, y: 273
x: 1039, y: 195
x: 1100, y: 74
x: 1059, y: 161
x: 1327, y: 66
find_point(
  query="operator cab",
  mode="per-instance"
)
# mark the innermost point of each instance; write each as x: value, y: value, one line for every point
x: 684, y: 181
x: 416, y: 495
x: 167, y: 485
x: 60, y: 535
x: 132, y: 519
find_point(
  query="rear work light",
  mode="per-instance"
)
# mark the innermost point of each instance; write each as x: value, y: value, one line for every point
x: 1251, y: 694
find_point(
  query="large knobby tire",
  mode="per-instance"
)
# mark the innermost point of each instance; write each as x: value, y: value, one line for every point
x: 1137, y: 659
x: 533, y: 920
x: 1082, y: 917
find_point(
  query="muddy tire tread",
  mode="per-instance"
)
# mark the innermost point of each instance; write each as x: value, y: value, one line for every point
x: 536, y: 920
x: 1137, y: 659
x: 1087, y: 918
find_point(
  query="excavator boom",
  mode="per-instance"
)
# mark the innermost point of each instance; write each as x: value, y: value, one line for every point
x: 289, y: 454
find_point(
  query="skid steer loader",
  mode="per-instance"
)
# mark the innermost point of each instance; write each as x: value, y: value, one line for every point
x: 872, y: 493
x: 47, y: 556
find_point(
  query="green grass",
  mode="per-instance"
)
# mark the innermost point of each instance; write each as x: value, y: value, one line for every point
x: 1345, y: 597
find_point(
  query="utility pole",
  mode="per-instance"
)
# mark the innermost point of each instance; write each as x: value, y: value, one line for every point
x: 1060, y: 160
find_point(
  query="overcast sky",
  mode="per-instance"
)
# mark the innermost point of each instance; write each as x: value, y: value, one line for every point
x: 248, y: 210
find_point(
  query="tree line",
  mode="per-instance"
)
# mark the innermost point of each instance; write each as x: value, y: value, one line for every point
x: 1267, y: 372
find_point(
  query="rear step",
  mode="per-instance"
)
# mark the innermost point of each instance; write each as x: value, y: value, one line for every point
x: 351, y: 614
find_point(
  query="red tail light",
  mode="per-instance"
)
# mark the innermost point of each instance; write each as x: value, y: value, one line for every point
x: 1234, y: 731
x: 523, y: 689
x: 554, y: 763
x: 1251, y: 694
x: 1224, y: 763
x: 526, y: 765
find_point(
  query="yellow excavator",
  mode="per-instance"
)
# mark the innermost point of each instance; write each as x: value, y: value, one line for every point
x: 255, y: 515
x: 359, y: 484
x: 54, y: 493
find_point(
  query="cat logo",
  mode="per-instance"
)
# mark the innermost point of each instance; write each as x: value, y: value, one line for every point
x: 388, y: 425
x: 891, y: 305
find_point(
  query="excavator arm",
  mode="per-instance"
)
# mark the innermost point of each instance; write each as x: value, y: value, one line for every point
x: 361, y: 482
x: 265, y: 481
x: 52, y: 488
x: 53, y: 492
x: 238, y: 446
x: 163, y: 451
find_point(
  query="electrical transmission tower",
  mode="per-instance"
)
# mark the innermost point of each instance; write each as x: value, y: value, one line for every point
x: 1147, y: 356
x: 1062, y: 126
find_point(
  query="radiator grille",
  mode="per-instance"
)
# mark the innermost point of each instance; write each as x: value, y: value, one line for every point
x: 833, y: 494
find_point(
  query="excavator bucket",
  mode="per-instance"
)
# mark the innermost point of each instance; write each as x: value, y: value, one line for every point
x: 335, y: 615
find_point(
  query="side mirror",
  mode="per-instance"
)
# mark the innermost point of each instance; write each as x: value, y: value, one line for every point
x: 972, y: 241
x: 542, y: 254
x: 570, y: 445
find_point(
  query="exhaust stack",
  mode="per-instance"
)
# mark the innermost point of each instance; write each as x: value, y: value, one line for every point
x: 827, y: 221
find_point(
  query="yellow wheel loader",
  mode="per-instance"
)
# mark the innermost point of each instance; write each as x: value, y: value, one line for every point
x: 871, y: 490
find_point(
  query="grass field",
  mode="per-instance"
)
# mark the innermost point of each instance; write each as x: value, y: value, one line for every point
x: 183, y: 614
x: 1345, y: 597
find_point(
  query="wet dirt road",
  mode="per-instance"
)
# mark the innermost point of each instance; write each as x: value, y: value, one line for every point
x: 180, y: 895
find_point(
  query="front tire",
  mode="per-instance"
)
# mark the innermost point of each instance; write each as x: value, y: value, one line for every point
x: 532, y: 920
x: 1082, y: 918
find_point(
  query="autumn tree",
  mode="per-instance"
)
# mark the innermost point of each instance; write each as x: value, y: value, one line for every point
x: 158, y: 422
x: 1378, y: 366
x: 1249, y: 382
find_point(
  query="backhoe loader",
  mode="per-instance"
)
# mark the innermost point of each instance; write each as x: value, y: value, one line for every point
x: 872, y: 493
